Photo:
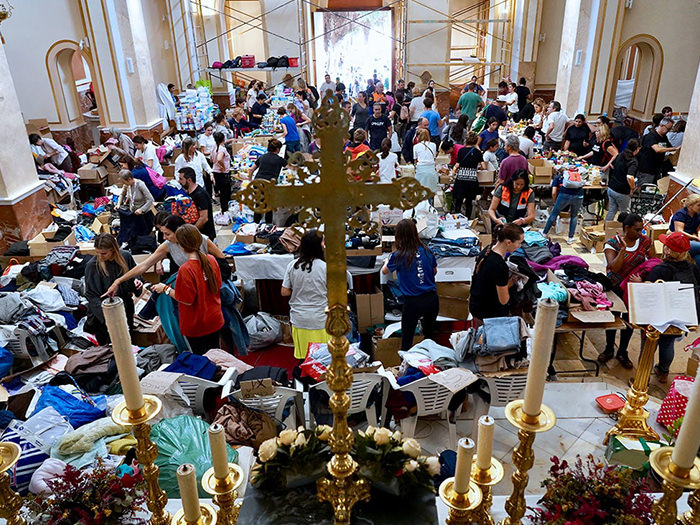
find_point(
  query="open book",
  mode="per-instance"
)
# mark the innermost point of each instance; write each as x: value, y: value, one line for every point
x: 662, y: 304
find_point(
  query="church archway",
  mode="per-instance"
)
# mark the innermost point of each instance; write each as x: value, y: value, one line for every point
x: 637, y: 75
x: 70, y: 70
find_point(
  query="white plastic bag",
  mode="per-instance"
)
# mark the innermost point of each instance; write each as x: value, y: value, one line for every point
x: 264, y: 331
x: 424, y: 211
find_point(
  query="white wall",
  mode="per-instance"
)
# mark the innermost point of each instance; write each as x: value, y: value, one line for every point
x: 34, y: 27
x: 160, y: 41
x: 548, y: 51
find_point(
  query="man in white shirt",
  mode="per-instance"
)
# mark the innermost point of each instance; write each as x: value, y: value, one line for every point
x: 327, y: 84
x: 51, y: 150
x: 556, y: 122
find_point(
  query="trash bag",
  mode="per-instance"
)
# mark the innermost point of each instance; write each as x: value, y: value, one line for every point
x: 173, y: 451
x: 264, y: 331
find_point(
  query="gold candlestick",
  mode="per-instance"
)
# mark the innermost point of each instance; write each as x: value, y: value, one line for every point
x: 146, y: 453
x: 10, y: 501
x: 676, y: 480
x: 462, y: 507
x: 692, y: 517
x: 208, y: 516
x: 225, y: 493
x: 523, y: 456
x: 485, y: 479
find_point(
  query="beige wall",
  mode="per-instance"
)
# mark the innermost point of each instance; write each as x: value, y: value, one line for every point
x: 159, y: 37
x: 548, y: 51
x: 28, y: 38
x: 675, y: 24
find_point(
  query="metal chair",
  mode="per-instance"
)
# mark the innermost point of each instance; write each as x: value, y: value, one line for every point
x: 362, y: 387
x: 431, y: 398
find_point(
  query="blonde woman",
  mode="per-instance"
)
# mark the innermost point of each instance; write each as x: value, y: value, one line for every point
x: 687, y: 221
x: 195, y: 159
x: 603, y: 151
x: 538, y: 118
x: 101, y: 271
x: 424, y: 153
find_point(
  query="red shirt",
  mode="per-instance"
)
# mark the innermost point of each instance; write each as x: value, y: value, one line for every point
x: 203, y: 314
x: 453, y: 155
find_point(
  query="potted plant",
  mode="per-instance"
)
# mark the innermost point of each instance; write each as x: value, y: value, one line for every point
x: 590, y: 493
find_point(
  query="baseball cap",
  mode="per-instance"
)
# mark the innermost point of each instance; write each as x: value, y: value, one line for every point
x: 501, y: 98
x: 676, y: 241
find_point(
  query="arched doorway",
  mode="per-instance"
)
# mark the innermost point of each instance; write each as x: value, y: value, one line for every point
x: 637, y: 76
x: 70, y: 71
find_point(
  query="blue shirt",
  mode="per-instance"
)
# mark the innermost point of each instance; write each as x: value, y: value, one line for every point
x: 433, y: 119
x: 690, y: 223
x: 292, y: 131
x: 419, y: 277
x: 487, y: 135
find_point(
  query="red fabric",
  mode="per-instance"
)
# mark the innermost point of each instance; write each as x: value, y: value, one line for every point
x: 357, y: 150
x: 202, y: 315
x: 276, y: 355
x: 642, y: 270
x: 674, y: 404
x: 453, y: 155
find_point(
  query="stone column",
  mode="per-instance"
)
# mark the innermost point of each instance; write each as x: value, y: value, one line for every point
x: 689, y: 160
x: 184, y: 42
x: 23, y: 204
x: 526, y: 32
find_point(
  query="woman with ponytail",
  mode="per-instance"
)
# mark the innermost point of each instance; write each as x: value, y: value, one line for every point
x: 489, y: 294
x: 197, y: 291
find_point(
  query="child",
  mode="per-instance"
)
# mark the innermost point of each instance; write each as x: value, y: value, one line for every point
x: 490, y: 155
x: 388, y: 163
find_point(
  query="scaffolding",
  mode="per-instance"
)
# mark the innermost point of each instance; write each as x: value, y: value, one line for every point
x: 487, y: 54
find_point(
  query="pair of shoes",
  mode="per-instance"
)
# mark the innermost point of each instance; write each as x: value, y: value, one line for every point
x: 625, y: 361
x: 605, y: 357
x: 662, y: 377
x: 570, y: 240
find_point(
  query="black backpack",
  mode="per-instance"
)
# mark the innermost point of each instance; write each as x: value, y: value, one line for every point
x: 283, y: 61
x: 273, y: 62
x: 236, y: 62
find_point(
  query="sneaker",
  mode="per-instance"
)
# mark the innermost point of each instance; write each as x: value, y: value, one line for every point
x: 625, y: 361
x: 570, y: 240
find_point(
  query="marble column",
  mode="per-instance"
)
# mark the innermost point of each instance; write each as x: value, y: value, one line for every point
x: 184, y: 42
x: 526, y: 32
x: 689, y: 160
x: 23, y: 204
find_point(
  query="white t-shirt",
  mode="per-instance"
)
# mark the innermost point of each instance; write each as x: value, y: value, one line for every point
x: 415, y: 108
x: 58, y: 150
x: 251, y: 98
x: 198, y: 163
x: 177, y: 253
x: 309, y: 298
x: 424, y: 153
x: 387, y: 167
x: 560, y: 120
x: 208, y: 142
x: 491, y: 160
x: 149, y: 153
x: 512, y: 102
x: 527, y: 147
x: 536, y: 119
x: 325, y: 87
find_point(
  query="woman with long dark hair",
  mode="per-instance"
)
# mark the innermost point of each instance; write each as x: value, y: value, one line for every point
x: 197, y: 291
x: 415, y: 266
x: 221, y: 166
x: 101, y: 271
x: 305, y: 285
x: 489, y: 295
x: 459, y: 130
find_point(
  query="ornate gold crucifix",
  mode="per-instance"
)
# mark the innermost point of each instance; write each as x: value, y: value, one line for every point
x: 341, y: 196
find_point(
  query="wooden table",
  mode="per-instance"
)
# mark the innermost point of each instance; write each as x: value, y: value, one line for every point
x: 574, y: 327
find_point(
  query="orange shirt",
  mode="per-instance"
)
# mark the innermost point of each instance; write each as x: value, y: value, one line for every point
x: 203, y: 315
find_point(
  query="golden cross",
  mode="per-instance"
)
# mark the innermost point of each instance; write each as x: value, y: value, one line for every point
x: 343, y: 185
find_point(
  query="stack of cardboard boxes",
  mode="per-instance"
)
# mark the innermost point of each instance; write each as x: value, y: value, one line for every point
x: 542, y: 170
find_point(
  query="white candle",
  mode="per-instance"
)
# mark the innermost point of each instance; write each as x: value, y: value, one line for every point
x: 219, y: 457
x: 115, y: 318
x: 484, y: 443
x: 187, y: 482
x: 463, y: 469
x: 688, y: 440
x: 545, y: 323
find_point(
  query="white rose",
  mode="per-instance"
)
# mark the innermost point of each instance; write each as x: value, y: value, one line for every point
x: 324, y: 432
x: 300, y: 441
x: 267, y: 450
x: 411, y: 465
x: 396, y: 435
x: 287, y: 437
x: 300, y: 428
x: 382, y: 436
x: 432, y: 465
x: 411, y: 447
x: 370, y: 431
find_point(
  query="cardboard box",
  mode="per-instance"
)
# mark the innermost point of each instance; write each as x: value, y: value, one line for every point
x: 40, y: 126
x: 593, y: 238
x: 87, y: 248
x: 98, y: 155
x: 245, y: 239
x: 657, y: 249
x: 362, y: 252
x: 370, y: 309
x: 542, y: 170
x: 446, y: 179
x: 612, y: 228
x: 39, y: 246
x: 148, y: 336
x: 92, y: 173
x: 387, y: 350
x: 655, y: 230
x: 168, y: 171
x: 104, y: 217
x: 113, y: 176
x: 453, y: 291
x: 691, y: 368
x: 486, y: 176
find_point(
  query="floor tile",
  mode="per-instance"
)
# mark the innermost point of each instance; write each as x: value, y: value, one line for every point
x: 575, y: 426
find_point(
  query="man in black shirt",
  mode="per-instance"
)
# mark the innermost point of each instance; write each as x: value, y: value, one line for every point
x: 655, y: 145
x: 622, y: 133
x: 269, y: 167
x: 257, y: 112
x: 523, y: 93
x: 379, y: 127
x: 495, y: 109
x: 187, y: 179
